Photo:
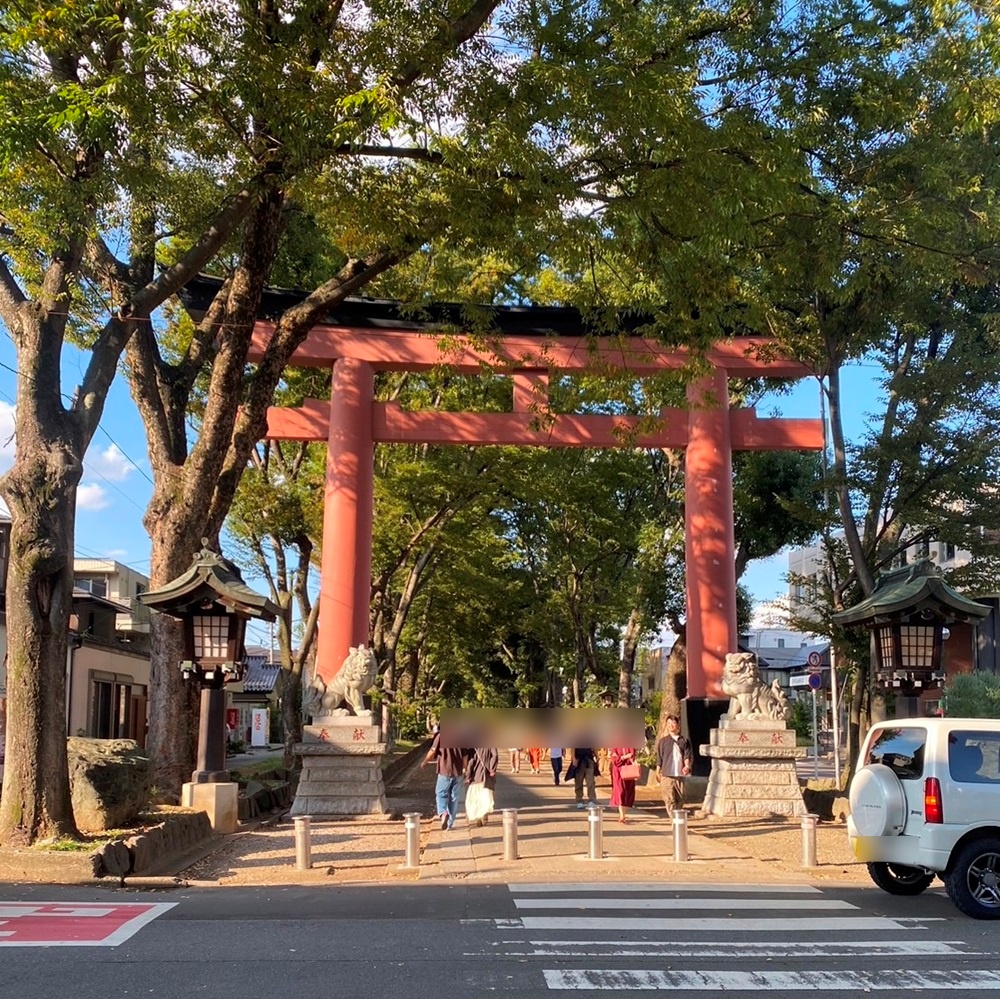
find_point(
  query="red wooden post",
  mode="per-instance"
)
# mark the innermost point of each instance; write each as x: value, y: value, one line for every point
x: 708, y: 536
x: 345, y: 582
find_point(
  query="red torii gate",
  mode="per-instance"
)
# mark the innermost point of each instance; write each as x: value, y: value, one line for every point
x: 352, y: 422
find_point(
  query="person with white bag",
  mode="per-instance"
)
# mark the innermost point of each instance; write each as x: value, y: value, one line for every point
x: 481, y: 774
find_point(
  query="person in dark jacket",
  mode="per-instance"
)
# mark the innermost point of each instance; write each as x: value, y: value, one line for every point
x: 583, y: 763
x: 673, y: 763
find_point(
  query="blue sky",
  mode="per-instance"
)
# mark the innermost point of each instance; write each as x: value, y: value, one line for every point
x: 116, y: 483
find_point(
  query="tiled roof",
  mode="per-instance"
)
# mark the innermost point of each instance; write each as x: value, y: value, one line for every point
x: 260, y: 676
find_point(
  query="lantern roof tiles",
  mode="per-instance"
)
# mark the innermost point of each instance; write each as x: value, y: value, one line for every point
x: 214, y: 578
x: 915, y: 589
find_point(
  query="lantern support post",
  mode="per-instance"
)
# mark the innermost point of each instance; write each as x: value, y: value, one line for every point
x: 213, y: 605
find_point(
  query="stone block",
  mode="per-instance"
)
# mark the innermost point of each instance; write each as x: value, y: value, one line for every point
x: 753, y: 737
x: 342, y: 734
x: 110, y: 782
x: 756, y: 809
x: 766, y: 778
x: 218, y: 801
x: 139, y: 847
x: 115, y: 859
x: 751, y: 724
x: 340, y: 805
x: 326, y: 766
x: 335, y: 788
x: 317, y: 749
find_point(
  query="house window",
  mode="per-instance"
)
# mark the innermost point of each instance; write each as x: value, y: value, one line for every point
x: 781, y: 643
x: 950, y: 551
x: 96, y: 585
x: 110, y: 706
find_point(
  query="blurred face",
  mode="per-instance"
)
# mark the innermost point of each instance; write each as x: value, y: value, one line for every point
x: 673, y: 726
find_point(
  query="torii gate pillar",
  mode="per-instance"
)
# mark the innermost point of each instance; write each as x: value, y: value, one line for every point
x: 709, y: 542
x: 345, y: 582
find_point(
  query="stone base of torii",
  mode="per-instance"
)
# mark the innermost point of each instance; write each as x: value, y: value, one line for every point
x: 753, y: 770
x: 341, y: 769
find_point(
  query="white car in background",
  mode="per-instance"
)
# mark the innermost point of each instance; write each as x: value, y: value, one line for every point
x: 925, y: 802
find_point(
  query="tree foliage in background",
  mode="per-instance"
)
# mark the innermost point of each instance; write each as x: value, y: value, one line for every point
x: 889, y: 256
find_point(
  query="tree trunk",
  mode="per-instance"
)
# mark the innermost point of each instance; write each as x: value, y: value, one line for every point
x: 291, y: 713
x: 675, y: 682
x: 630, y: 645
x: 172, y: 741
x: 40, y: 490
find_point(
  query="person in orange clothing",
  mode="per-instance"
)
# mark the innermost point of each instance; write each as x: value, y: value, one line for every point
x: 535, y: 759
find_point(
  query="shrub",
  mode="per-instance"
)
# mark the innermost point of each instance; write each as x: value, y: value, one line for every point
x: 972, y: 695
x: 801, y: 720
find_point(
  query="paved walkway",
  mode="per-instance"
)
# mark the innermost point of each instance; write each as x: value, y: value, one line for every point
x: 554, y: 841
x: 553, y: 844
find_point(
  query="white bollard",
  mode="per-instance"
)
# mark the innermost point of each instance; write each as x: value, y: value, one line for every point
x: 303, y: 842
x: 680, y: 820
x: 595, y: 820
x: 510, y: 834
x: 412, y: 825
x: 809, y: 840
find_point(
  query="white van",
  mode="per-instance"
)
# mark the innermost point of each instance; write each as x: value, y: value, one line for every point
x: 926, y: 802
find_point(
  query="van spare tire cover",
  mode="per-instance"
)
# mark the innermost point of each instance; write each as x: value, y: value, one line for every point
x: 878, y: 802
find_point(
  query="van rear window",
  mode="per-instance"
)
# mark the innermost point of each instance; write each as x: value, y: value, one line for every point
x: 901, y: 750
x: 974, y: 757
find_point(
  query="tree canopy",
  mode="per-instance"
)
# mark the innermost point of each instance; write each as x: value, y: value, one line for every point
x: 716, y: 165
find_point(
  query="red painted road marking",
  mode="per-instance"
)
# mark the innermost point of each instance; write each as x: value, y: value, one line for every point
x: 74, y: 924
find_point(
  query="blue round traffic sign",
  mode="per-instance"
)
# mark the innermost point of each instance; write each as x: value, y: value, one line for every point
x: 815, y: 681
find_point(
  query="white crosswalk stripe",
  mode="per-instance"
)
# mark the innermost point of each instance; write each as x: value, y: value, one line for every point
x: 643, y: 936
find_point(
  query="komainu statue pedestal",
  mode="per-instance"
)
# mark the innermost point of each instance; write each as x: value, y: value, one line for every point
x: 753, y: 769
x: 341, y: 768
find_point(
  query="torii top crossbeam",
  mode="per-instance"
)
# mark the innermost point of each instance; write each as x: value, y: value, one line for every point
x: 526, y: 344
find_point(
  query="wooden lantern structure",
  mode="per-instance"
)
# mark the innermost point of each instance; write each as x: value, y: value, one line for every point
x: 213, y: 604
x: 907, y: 614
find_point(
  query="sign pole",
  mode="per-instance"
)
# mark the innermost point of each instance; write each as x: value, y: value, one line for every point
x: 835, y: 708
x: 815, y: 739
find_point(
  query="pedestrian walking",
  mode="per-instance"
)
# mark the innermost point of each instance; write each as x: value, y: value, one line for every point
x: 583, y: 763
x: 624, y: 774
x: 556, y: 759
x: 673, y: 763
x: 481, y: 773
x: 515, y: 760
x: 535, y: 760
x: 450, y: 766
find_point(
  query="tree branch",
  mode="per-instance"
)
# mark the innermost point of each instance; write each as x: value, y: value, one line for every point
x: 449, y: 36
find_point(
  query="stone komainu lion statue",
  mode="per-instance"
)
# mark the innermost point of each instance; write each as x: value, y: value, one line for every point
x: 357, y: 675
x: 750, y: 696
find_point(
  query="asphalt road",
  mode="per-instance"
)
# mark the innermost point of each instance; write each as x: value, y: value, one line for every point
x: 427, y: 941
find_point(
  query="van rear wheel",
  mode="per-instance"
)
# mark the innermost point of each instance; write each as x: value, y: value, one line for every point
x: 973, y: 882
x: 897, y: 879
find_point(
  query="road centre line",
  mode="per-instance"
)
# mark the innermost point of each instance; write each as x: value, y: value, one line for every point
x: 760, y: 981
x: 686, y: 904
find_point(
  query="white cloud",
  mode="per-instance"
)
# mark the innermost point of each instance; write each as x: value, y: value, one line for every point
x: 110, y: 463
x: 91, y: 496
